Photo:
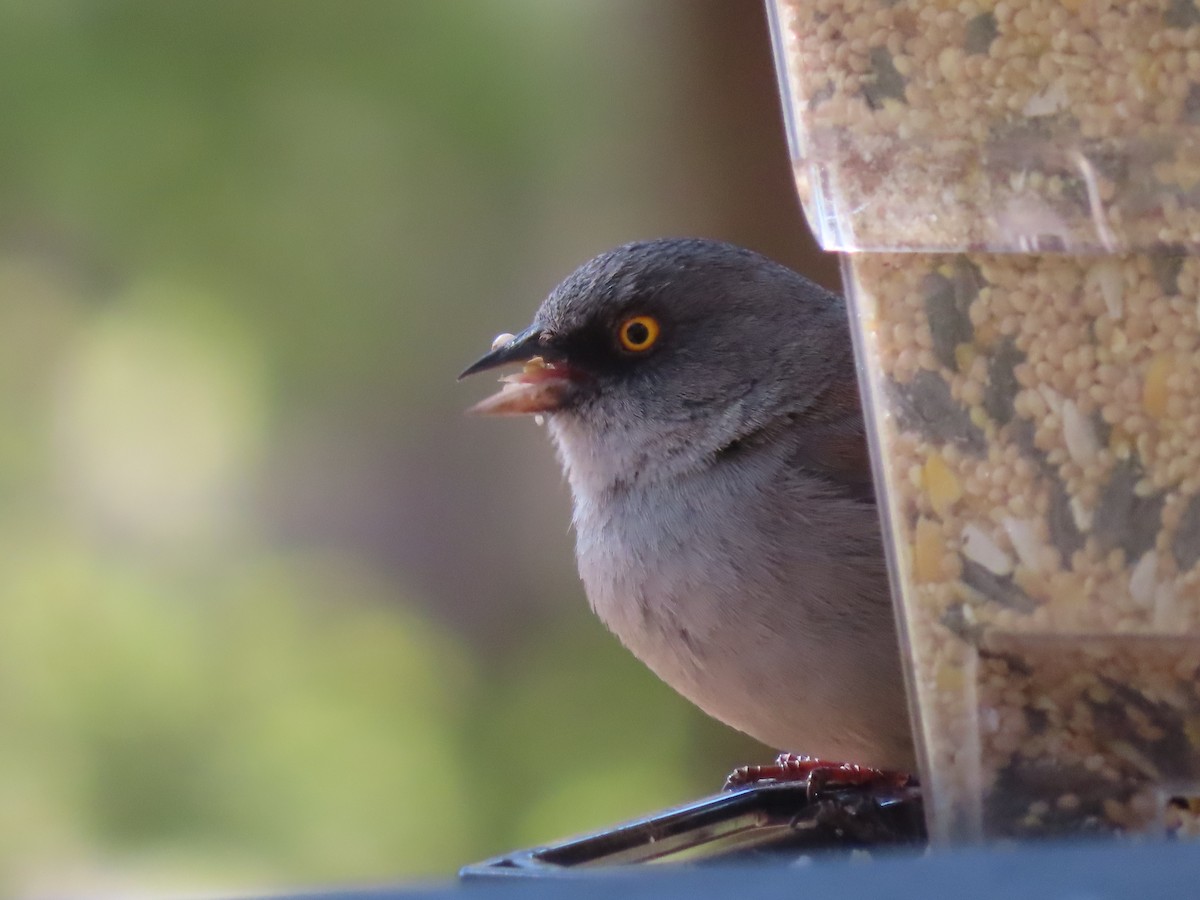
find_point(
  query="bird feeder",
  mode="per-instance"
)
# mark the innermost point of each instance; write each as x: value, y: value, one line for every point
x: 1016, y: 187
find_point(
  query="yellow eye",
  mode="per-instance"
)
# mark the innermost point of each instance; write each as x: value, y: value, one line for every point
x: 639, y: 333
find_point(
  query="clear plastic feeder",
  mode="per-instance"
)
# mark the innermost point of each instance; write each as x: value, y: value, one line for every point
x: 1036, y: 427
x: 1015, y: 125
x: 1025, y: 175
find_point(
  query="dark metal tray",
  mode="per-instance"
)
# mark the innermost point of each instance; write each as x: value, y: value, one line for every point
x: 778, y: 823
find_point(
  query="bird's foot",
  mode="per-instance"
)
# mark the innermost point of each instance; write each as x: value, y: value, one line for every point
x: 817, y: 774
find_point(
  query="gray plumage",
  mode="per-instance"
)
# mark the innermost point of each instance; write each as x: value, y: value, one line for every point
x: 725, y: 525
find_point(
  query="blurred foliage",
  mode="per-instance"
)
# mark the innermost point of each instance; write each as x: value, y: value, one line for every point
x: 226, y: 719
x: 270, y: 613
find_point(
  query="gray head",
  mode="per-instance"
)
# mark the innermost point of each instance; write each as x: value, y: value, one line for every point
x: 657, y: 354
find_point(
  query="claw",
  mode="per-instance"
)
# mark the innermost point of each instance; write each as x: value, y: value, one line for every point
x: 817, y: 774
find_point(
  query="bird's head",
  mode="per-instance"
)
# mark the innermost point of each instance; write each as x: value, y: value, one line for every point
x: 660, y: 352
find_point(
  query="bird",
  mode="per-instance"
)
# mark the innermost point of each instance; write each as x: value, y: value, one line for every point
x: 703, y: 403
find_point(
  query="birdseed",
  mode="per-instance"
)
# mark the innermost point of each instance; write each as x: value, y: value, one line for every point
x: 1043, y: 508
x: 1016, y: 125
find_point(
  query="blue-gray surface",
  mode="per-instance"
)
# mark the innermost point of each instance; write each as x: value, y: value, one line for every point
x: 1102, y: 871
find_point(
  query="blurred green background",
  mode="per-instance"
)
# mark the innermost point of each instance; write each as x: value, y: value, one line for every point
x: 272, y: 611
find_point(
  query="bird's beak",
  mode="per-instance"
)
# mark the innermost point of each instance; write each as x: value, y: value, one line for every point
x: 543, y: 384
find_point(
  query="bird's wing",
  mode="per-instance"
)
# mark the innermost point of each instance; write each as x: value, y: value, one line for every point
x: 837, y: 453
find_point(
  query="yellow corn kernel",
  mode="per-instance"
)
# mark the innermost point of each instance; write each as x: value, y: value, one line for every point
x: 940, y: 484
x: 964, y: 355
x: 949, y: 678
x: 1119, y: 442
x: 928, y: 548
x: 1154, y: 389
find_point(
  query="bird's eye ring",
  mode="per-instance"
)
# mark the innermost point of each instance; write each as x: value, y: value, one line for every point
x: 638, y: 334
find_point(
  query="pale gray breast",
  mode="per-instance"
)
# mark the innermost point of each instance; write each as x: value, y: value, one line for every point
x: 759, y: 594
